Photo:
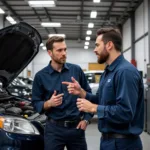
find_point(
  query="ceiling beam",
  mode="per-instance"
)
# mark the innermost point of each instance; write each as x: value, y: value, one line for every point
x: 50, y: 19
x: 11, y: 10
x: 127, y: 8
x: 109, y: 11
x: 40, y: 19
x: 81, y: 15
x: 66, y: 15
x: 61, y: 6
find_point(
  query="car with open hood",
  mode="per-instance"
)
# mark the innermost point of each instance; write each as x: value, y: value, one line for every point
x: 20, y: 128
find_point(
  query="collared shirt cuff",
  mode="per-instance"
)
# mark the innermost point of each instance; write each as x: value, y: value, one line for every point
x: 88, y: 116
x: 40, y: 107
x: 100, y: 111
x: 88, y: 95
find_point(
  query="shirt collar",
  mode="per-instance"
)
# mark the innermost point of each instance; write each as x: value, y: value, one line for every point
x: 51, y: 70
x: 114, y: 64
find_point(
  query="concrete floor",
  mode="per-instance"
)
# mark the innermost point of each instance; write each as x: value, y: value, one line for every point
x: 93, y: 138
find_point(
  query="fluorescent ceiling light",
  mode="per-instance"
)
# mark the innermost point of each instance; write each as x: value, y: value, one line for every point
x: 41, y: 44
x: 86, y: 43
x: 50, y: 3
x: 11, y: 20
x: 1, y: 11
x: 86, y: 47
x: 90, y: 25
x: 88, y: 32
x: 93, y: 14
x: 96, y: 1
x: 44, y: 47
x: 50, y: 24
x: 87, y: 38
x: 63, y: 35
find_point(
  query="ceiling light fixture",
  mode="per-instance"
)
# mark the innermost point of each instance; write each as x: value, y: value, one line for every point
x: 11, y: 20
x: 86, y: 43
x: 2, y: 11
x: 96, y: 1
x: 87, y: 38
x: 86, y: 47
x: 50, y: 24
x: 93, y: 14
x: 63, y: 35
x: 50, y: 3
x: 44, y: 47
x: 90, y: 25
x: 41, y: 44
x: 88, y: 32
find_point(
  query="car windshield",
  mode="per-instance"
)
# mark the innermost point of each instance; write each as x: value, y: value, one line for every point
x: 93, y: 76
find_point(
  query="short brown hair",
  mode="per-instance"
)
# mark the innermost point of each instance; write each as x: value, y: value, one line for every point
x: 52, y: 40
x: 111, y: 34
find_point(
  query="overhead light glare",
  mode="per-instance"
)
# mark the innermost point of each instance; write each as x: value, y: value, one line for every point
x: 51, y: 24
x: 89, y: 32
x: 86, y: 43
x: 90, y: 25
x: 50, y: 3
x: 93, y: 14
x: 2, y: 11
x: 96, y: 1
x: 86, y: 47
x: 44, y: 47
x: 87, y: 38
x: 63, y: 35
x: 11, y: 20
x: 41, y: 44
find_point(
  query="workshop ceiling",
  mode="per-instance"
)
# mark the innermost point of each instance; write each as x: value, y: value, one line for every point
x: 74, y: 15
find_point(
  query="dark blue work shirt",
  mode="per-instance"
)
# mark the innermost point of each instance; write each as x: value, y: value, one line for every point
x: 47, y: 80
x: 120, y: 99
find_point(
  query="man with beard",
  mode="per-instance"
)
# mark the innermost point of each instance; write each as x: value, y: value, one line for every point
x: 119, y: 101
x: 65, y: 125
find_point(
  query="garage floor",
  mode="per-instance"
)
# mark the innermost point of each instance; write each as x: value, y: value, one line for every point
x: 93, y: 138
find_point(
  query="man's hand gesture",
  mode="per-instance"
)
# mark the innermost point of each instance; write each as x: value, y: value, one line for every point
x: 73, y: 87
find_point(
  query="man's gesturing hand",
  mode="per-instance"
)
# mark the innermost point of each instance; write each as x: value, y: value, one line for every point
x: 73, y: 87
x: 55, y: 100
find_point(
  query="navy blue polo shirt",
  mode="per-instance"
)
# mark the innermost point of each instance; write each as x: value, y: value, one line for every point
x: 120, y: 98
x: 47, y: 80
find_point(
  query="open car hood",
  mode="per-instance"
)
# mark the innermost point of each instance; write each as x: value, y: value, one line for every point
x: 19, y: 44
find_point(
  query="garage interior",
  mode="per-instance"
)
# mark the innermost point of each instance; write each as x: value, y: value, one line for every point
x: 74, y: 20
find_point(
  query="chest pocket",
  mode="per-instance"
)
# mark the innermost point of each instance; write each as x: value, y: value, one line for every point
x: 108, y: 93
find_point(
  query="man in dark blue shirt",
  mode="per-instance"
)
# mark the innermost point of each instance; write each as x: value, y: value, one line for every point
x: 65, y: 125
x: 119, y: 102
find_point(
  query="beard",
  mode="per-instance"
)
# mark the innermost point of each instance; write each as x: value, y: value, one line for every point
x: 103, y: 56
x: 60, y: 60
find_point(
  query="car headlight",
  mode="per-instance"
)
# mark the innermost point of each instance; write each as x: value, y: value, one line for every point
x: 17, y: 125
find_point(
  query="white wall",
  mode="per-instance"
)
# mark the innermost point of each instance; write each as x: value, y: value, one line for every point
x: 141, y: 27
x: 141, y: 46
x: 141, y: 54
x: 127, y: 34
x: 141, y: 19
x: 127, y: 55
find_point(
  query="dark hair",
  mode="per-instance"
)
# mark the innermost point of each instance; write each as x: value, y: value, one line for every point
x: 52, y: 40
x: 111, y: 34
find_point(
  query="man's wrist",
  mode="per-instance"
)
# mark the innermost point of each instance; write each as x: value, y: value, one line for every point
x: 94, y: 108
x: 82, y: 93
x: 87, y: 122
x: 48, y: 104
